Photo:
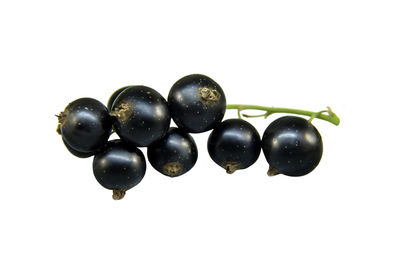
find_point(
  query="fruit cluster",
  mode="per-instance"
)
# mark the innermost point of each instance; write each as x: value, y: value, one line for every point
x: 141, y: 118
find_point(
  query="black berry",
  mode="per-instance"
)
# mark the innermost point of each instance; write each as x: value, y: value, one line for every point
x: 173, y: 155
x: 292, y: 146
x: 197, y: 103
x: 141, y: 115
x: 85, y: 125
x: 119, y: 167
x: 234, y: 144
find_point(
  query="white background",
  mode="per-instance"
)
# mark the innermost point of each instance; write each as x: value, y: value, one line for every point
x: 299, y: 54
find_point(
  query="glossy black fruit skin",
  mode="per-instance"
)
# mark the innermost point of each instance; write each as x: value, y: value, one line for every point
x: 292, y: 146
x: 234, y: 144
x: 119, y: 166
x: 77, y: 153
x: 85, y: 125
x: 114, y: 96
x: 197, y: 103
x: 173, y: 155
x: 141, y: 115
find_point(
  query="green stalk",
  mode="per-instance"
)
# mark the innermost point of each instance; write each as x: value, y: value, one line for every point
x: 331, y: 117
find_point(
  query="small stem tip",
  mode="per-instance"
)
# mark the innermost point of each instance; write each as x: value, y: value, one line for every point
x: 58, y: 130
x: 231, y: 166
x: 209, y: 95
x: 61, y: 119
x: 272, y: 171
x: 118, y: 194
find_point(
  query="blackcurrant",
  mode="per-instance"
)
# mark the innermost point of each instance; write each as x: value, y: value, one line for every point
x: 85, y: 125
x: 234, y: 144
x: 114, y: 96
x: 141, y: 115
x: 77, y: 153
x: 174, y: 154
x: 292, y: 146
x: 119, y: 167
x: 197, y: 103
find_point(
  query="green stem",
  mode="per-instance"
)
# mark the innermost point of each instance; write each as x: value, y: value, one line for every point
x: 331, y: 117
x: 253, y: 116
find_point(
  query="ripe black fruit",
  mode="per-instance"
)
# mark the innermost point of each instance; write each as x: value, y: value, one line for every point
x: 197, y: 103
x: 85, y: 125
x: 119, y: 167
x: 141, y: 115
x: 77, y: 153
x: 234, y: 144
x: 173, y: 155
x: 292, y: 146
x: 114, y: 96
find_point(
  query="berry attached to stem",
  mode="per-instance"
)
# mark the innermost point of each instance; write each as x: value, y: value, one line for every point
x: 234, y: 144
x: 292, y: 146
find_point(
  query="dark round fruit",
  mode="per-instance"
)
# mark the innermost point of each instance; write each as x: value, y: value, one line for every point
x: 173, y: 155
x: 119, y: 167
x: 141, y: 115
x: 197, y: 103
x: 234, y: 144
x: 114, y: 96
x: 85, y: 125
x: 77, y: 153
x: 292, y: 146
